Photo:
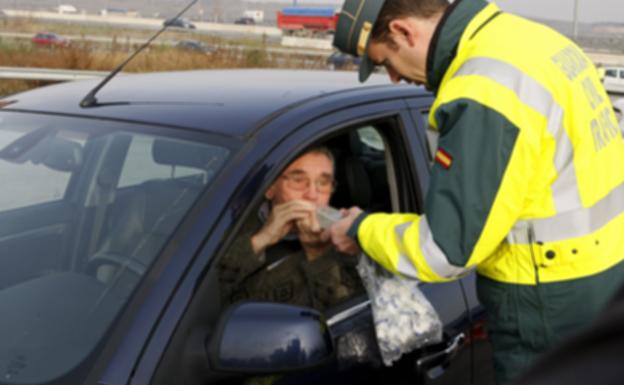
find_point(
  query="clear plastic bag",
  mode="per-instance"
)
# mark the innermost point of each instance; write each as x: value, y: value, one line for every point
x: 358, y: 347
x: 404, y: 318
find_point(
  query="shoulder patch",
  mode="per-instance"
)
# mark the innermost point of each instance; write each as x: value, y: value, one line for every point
x: 444, y: 158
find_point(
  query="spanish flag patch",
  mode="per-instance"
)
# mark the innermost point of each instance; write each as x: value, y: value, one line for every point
x: 444, y: 158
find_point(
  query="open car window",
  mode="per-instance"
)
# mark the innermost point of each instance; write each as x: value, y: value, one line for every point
x: 359, y: 157
x: 282, y: 273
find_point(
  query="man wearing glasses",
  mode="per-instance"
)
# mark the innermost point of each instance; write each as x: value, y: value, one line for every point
x: 281, y: 254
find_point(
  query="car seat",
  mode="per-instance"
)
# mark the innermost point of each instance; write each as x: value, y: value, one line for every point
x: 362, y: 180
x: 148, y: 217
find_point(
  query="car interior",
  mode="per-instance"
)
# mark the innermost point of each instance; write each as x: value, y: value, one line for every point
x: 79, y: 254
x: 361, y: 171
x: 142, y: 218
x: 120, y: 225
x: 360, y: 163
x: 124, y: 220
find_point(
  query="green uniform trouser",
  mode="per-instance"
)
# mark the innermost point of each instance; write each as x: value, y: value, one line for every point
x: 524, y: 321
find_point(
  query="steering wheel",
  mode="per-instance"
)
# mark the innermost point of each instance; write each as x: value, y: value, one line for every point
x: 117, y: 261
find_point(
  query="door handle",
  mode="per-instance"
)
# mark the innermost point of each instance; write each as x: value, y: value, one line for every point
x: 443, y: 356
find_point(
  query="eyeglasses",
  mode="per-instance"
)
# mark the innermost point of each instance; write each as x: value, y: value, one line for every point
x: 324, y: 185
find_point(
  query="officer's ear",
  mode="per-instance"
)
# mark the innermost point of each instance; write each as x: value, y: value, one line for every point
x: 404, y: 30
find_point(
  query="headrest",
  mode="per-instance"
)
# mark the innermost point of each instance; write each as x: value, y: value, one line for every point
x: 358, y: 181
x: 180, y: 153
x: 354, y: 186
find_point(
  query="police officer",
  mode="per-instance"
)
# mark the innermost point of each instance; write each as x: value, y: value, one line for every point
x: 527, y: 185
x: 281, y: 254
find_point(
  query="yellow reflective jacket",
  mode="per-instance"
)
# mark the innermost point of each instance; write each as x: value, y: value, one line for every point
x: 527, y: 186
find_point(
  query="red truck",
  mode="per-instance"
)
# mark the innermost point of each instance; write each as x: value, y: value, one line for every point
x: 307, y: 21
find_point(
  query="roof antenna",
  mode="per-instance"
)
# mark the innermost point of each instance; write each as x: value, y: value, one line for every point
x: 90, y: 100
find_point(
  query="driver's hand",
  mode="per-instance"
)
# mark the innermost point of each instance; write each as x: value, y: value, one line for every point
x: 281, y: 221
x: 310, y: 231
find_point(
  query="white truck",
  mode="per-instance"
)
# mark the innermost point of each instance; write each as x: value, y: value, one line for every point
x: 614, y: 79
x: 255, y: 14
x: 66, y: 8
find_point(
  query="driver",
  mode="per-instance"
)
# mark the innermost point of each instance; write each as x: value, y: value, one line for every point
x: 282, y: 254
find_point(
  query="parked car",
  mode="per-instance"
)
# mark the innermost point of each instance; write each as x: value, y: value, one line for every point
x: 340, y: 60
x: 49, y: 39
x: 195, y: 46
x: 115, y: 216
x: 179, y: 22
x: 245, y: 20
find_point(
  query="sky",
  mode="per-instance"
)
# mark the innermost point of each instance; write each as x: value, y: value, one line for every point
x: 589, y: 11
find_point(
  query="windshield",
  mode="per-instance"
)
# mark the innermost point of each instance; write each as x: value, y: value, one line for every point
x: 85, y: 208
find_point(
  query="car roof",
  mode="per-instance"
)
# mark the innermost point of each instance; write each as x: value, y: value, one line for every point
x: 230, y: 102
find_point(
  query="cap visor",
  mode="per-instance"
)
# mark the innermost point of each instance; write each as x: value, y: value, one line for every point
x: 366, y: 68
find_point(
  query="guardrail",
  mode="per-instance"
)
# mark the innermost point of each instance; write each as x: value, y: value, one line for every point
x: 48, y: 74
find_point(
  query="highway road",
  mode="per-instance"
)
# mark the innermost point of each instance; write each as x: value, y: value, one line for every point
x: 271, y: 34
x: 146, y: 23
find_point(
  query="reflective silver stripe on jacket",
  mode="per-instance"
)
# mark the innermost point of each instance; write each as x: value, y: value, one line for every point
x: 434, y: 256
x: 565, y: 191
x: 572, y: 224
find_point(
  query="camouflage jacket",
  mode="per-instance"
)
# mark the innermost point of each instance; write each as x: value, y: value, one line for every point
x: 283, y: 274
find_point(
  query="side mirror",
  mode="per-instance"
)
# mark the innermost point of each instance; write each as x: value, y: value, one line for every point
x: 269, y: 338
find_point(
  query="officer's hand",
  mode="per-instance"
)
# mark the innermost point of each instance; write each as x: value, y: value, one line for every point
x: 281, y: 221
x: 338, y: 232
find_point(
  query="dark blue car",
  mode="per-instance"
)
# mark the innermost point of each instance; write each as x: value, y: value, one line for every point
x: 114, y: 217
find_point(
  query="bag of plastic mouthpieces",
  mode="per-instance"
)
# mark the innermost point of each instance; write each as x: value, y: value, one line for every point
x: 404, y: 318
